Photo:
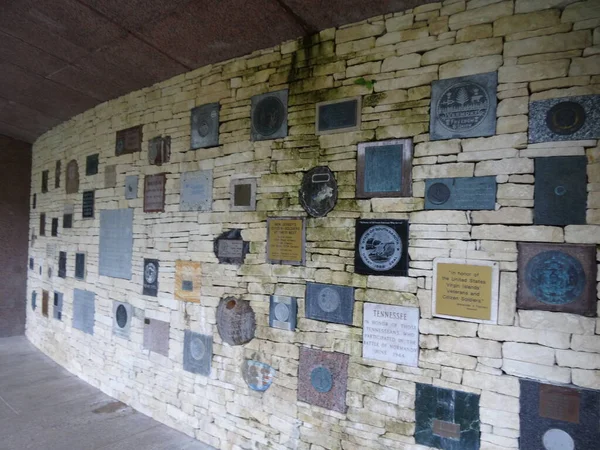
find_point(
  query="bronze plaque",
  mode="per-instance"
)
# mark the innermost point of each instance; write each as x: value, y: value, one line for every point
x: 129, y: 141
x: 187, y: 281
x: 559, y: 403
x: 446, y: 429
x: 72, y: 184
x: 235, y: 321
x: 154, y: 192
x: 45, y: 303
x: 286, y: 240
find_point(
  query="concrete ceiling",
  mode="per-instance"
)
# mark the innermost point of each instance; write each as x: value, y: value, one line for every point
x: 59, y: 58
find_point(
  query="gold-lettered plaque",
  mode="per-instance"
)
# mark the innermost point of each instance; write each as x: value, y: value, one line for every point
x: 286, y: 240
x: 465, y: 290
x: 187, y: 281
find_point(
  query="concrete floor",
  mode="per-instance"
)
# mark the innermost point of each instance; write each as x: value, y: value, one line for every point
x: 44, y: 407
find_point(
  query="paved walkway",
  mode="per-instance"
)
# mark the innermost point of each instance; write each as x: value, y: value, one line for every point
x: 44, y: 407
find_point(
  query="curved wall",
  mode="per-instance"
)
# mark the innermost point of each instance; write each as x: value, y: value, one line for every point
x: 538, y: 52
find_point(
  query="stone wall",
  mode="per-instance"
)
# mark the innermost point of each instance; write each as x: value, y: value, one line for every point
x: 541, y: 49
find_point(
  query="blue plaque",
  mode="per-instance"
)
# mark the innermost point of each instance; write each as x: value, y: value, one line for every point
x: 122, y: 315
x: 197, y: 352
x: 384, y: 169
x: 205, y: 126
x: 62, y: 264
x: 33, y: 300
x: 269, y: 116
x: 555, y: 278
x: 58, y: 305
x: 80, y: 266
x: 330, y: 303
x: 469, y: 193
x: 131, y: 187
x: 321, y: 379
x: 116, y: 243
x: 83, y: 310
x: 196, y: 191
x: 282, y: 312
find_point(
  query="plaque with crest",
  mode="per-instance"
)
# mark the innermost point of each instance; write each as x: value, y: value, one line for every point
x: 269, y: 116
x: 205, y: 126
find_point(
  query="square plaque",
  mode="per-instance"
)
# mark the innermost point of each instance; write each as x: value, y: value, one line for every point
x: 381, y: 247
x: 197, y: 353
x: 463, y: 107
x: 560, y: 190
x: 58, y: 305
x: 72, y: 184
x: 323, y: 379
x: 205, y: 126
x: 159, y: 150
x: 129, y: 141
x: 42, y: 224
x: 62, y: 264
x: 80, y: 266
x: 557, y: 277
x: 122, y: 315
x: 466, y: 289
x: 150, y: 277
x: 188, y: 276
x: 156, y: 336
x: 283, y: 312
x: 131, y: 187
x: 391, y: 333
x: 45, y: 181
x: 154, y: 192
x: 558, y: 417
x: 91, y: 164
x: 269, y: 116
x: 384, y: 169
x: 196, y: 191
x: 564, y: 119
x: 110, y: 176
x: 468, y: 193
x: 286, y: 240
x: 54, y: 230
x: 446, y: 418
x: 83, y: 310
x: 338, y: 116
x: 329, y: 303
x: 87, y: 209
x: 57, y: 171
x: 33, y: 300
x: 45, y: 303
x: 242, y: 194
x: 116, y: 243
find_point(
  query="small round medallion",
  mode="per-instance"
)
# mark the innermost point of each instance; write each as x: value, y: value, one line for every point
x: 463, y: 106
x: 321, y: 379
x: 329, y: 299
x: 556, y: 439
x: 560, y: 190
x: 150, y: 273
x: 380, y: 248
x: 268, y: 116
x: 282, y: 312
x: 121, y: 316
x: 438, y: 193
x: 197, y: 349
x: 565, y: 118
x: 555, y: 278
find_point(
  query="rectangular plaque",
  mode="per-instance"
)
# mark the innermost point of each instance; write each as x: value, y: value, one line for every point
x: 323, y: 379
x: 131, y: 187
x: 188, y: 276
x: 446, y: 429
x: 50, y: 251
x: 72, y: 176
x: 197, y: 352
x: 381, y: 247
x: 44, y: 181
x: 156, y: 336
x: 465, y: 290
x: 338, y: 116
x: 57, y: 170
x: 560, y: 190
x: 468, y: 193
x: 129, y: 141
x: 58, y: 305
x: 34, y: 201
x: 110, y: 176
x: 391, y: 333
x: 559, y: 403
x: 159, y: 150
x: 45, y: 303
x: 205, y: 126
x: 286, y: 237
x: 384, y: 169
x: 54, y: 229
x: 283, y: 312
x: 196, y: 191
x: 84, y: 310
x: 67, y: 220
x: 80, y: 266
x: 87, y: 209
x: 242, y: 194
x: 269, y: 116
x: 91, y: 164
x: 116, y: 243
x: 33, y: 300
x: 329, y: 303
x: 62, y: 264
x: 31, y: 262
x: 122, y: 315
x: 154, y: 192
x: 42, y: 224
x: 150, y: 285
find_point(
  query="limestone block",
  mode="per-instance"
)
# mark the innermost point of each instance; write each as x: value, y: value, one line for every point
x: 356, y: 32
x: 470, y: 346
x: 486, y: 14
x: 552, y: 151
x: 584, y: 343
x: 400, y: 22
x: 499, y: 402
x: 474, y: 32
x: 552, y: 374
x: 403, y: 62
x: 586, y: 378
x: 452, y: 375
x: 526, y: 22
x: 401, y: 131
x: 516, y: 140
x: 354, y: 46
x: 403, y: 284
x: 512, y: 124
x: 518, y: 233
x: 447, y: 327
x: 528, y: 353
x: 484, y: 155
x: 582, y: 234
x: 545, y: 85
x: 428, y: 341
x: 548, y: 57
x: 585, y: 66
x: 569, y: 358
x: 501, y: 384
x: 533, y: 72
x: 593, y: 89
x: 545, y: 44
x: 422, y: 79
x: 443, y: 171
x: 450, y: 8
x: 437, y: 148
x: 504, y: 166
x: 482, y: 47
x: 445, y: 358
x: 516, y: 191
x: 363, y: 69
x: 581, y: 11
x: 402, y: 36
x: 481, y: 64
x: 503, y: 215
x: 561, y: 322
x: 396, y: 204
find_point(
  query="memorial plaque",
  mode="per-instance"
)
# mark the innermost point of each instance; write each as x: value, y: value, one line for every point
x: 44, y: 181
x: 468, y: 193
x: 197, y: 352
x: 131, y: 187
x: 205, y: 126
x: 33, y: 300
x: 560, y: 191
x: 156, y: 336
x: 338, y: 116
x: 49, y: 272
x: 62, y: 264
x: 558, y: 418
x: 235, y: 321
x: 446, y: 419
x: 150, y: 277
x: 286, y: 238
x: 557, y: 277
x: 42, y: 224
x: 257, y: 375
x: 84, y: 310
x: 30, y: 263
x: 57, y: 171
x: 381, y: 247
x: 129, y: 141
x: 110, y: 176
x: 91, y: 164
x: 68, y: 216
x: 45, y: 303
x: 283, y: 312
x: 87, y: 209
x: 196, y: 191
x: 319, y: 192
x: 154, y: 192
x: 80, y: 266
x: 188, y: 276
x: 243, y: 194
x: 72, y: 184
x: 230, y: 248
x: 122, y: 315
x: 466, y: 290
x: 391, y: 333
x: 34, y: 201
x: 58, y: 306
x: 463, y: 107
x: 159, y: 150
x: 54, y: 230
x: 116, y: 243
x: 329, y: 303
x: 564, y: 119
x: 269, y: 116
x: 323, y: 379
x: 384, y: 169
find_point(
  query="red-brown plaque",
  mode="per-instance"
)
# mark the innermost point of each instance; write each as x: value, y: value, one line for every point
x: 45, y: 303
x: 446, y: 429
x: 559, y: 403
x: 129, y: 141
x: 235, y: 321
x: 154, y: 192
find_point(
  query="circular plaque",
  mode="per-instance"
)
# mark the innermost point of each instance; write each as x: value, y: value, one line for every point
x: 329, y: 299
x: 560, y: 190
x: 282, y: 312
x: 121, y: 316
x: 321, y: 379
x: 565, y: 118
x: 150, y: 273
x: 257, y: 375
x: 380, y: 248
x: 555, y: 278
x: 318, y: 193
x: 438, y: 193
x: 197, y: 349
x: 556, y: 439
x: 235, y: 321
x: 268, y: 116
x: 463, y: 106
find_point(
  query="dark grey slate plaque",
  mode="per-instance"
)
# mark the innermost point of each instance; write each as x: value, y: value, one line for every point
x: 230, y: 248
x: 269, y: 116
x: 43, y: 224
x: 205, y: 126
x: 68, y: 216
x: 150, y: 277
x: 235, y: 321
x: 156, y: 336
x: 319, y: 192
x: 62, y: 264
x: 131, y: 187
x: 197, y: 352
x: 338, y: 116
x: 44, y: 181
x: 560, y: 191
x: 565, y: 119
x: 58, y: 305
x: 116, y: 243
x: 242, y: 194
x: 54, y: 230
x: 30, y: 263
x: 72, y: 183
x: 468, y: 193
x: 33, y: 300
x: 381, y: 247
x: 257, y: 375
x: 122, y: 315
x: 384, y: 169
x: 83, y: 310
x: 283, y: 312
x: 87, y: 209
x: 329, y: 303
x: 91, y: 164
x: 57, y: 171
x: 463, y: 107
x: 196, y: 191
x: 159, y: 150
x: 34, y: 201
x: 80, y: 266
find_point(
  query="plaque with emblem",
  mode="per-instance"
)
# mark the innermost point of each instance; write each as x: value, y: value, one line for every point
x: 57, y: 171
x: 150, y: 277
x: 465, y: 193
x: 43, y: 224
x: 381, y: 247
x: 58, y: 306
x: 560, y: 191
x: 196, y: 191
x: 54, y: 230
x: 80, y: 266
x: 154, y: 192
x: 110, y: 176
x: 84, y: 310
x: 384, y: 169
x: 116, y: 243
x: 557, y: 277
x: 68, y: 216
x: 319, y: 192
x: 257, y: 375
x: 72, y: 183
x: 269, y: 116
x: 323, y: 379
x: 45, y: 301
x: 131, y: 187
x: 33, y: 300
x: 156, y: 336
x: 283, y: 311
x: 286, y: 238
x: 159, y: 150
x: 62, y: 264
x: 91, y: 164
x: 87, y: 208
x: 338, y: 116
x: 188, y: 276
x: 235, y: 321
x: 44, y: 181
x: 463, y: 107
x: 564, y: 119
x: 205, y: 126
x: 243, y: 194
x: 329, y: 303
x: 122, y: 315
x: 230, y: 248
x: 129, y: 141
x: 197, y: 352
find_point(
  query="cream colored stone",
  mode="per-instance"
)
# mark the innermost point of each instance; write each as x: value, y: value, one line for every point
x: 569, y: 358
x: 504, y: 215
x: 400, y: 22
x: 447, y: 327
x: 482, y: 64
x: 543, y: 44
x: 431, y: 217
x: 437, y: 148
x: 526, y: 22
x: 574, y: 91
x: 396, y: 204
x: 362, y: 31
x: 486, y: 14
x: 501, y: 384
x: 517, y: 140
x: 548, y: 338
x: 525, y: 6
x: 553, y: 151
x: 403, y: 62
x: 500, y: 153
x: 443, y: 171
x: 510, y: 190
x: 474, y: 32
x: 581, y: 11
x: 584, y: 343
x: 447, y: 359
x: 561, y: 322
x: 513, y: 106
x: 586, y: 378
x: 403, y: 284
x: 533, y: 72
x: 402, y: 36
x: 552, y: 374
x: 582, y: 234
x: 528, y: 353
x: 499, y: 402
x: 548, y: 56
x: 405, y: 82
x: 470, y: 346
x: 363, y: 69
x: 518, y: 233
x: 467, y: 50
x: 585, y: 66
x: 507, y: 299
x: 504, y: 166
x: 401, y: 131
x: 512, y: 124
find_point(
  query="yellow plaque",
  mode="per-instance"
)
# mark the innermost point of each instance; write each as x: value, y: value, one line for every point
x: 285, y: 240
x: 187, y: 281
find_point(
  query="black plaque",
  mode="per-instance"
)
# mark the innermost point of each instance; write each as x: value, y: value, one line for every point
x: 87, y: 210
x: 150, y: 277
x: 235, y: 321
x: 330, y: 303
x: 68, y: 220
x: 230, y: 248
x: 319, y: 192
x: 269, y: 115
x: 338, y: 116
x: 91, y: 164
x: 54, y: 230
x: 57, y: 171
x: 80, y: 266
x: 154, y: 192
x: 30, y: 263
x: 42, y: 224
x: 381, y: 247
x: 205, y: 126
x: 34, y: 203
x: 44, y: 181
x: 58, y: 305
x: 129, y: 141
x: 72, y: 184
x: 159, y: 150
x: 560, y: 190
x: 384, y: 169
x: 62, y: 264
x: 467, y: 193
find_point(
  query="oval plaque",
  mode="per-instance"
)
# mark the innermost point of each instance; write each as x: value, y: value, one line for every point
x: 319, y: 192
x: 257, y: 375
x: 565, y: 118
x: 235, y: 321
x: 121, y: 316
x: 557, y: 439
x: 268, y: 115
x: 321, y: 379
x: 555, y: 277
